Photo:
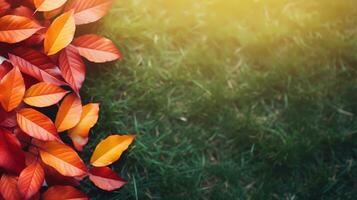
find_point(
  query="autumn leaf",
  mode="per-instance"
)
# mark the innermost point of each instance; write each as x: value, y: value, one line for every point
x: 110, y: 149
x: 4, y: 6
x: 8, y: 187
x: 31, y: 179
x: 87, y: 11
x: 69, y: 113
x: 60, y: 33
x: 44, y: 94
x: 37, y: 65
x: 96, y: 49
x: 12, y: 157
x: 79, y: 134
x: 72, y: 67
x: 88, y: 119
x: 53, y: 177
x: 106, y: 179
x: 36, y: 124
x: 12, y: 89
x: 62, y: 158
x: 48, y: 5
x: 15, y: 28
x: 65, y: 192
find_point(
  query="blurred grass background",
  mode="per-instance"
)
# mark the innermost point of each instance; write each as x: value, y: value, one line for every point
x: 231, y: 99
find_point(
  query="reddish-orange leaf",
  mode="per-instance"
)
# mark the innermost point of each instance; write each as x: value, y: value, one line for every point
x: 36, y: 124
x: 12, y: 157
x: 31, y: 179
x: 8, y: 119
x: 37, y: 65
x: 60, y: 33
x: 69, y: 113
x: 110, y: 149
x: 48, y: 5
x: 12, y: 89
x: 53, y: 177
x: 63, y: 193
x: 87, y: 11
x: 4, y: 6
x: 96, y: 48
x: 44, y: 94
x: 72, y: 67
x: 8, y: 187
x: 62, y: 157
x: 15, y: 28
x: 106, y: 179
x: 5, y: 67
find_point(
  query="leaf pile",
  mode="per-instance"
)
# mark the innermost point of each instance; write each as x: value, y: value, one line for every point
x: 41, y: 75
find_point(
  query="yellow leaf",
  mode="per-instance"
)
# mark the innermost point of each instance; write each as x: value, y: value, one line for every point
x: 60, y: 34
x: 88, y: 119
x: 110, y: 149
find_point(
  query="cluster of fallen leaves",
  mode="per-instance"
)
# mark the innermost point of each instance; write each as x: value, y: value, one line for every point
x: 41, y: 74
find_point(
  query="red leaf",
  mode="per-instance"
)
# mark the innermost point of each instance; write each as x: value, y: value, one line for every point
x: 37, y: 65
x: 72, y: 67
x: 12, y: 157
x: 53, y: 177
x: 4, y: 6
x: 64, y: 193
x: 106, y: 179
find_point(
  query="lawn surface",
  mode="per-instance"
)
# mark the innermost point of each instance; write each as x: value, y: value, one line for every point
x: 231, y: 99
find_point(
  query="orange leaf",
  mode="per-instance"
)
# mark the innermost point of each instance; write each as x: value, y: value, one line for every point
x: 96, y: 49
x: 44, y: 94
x: 8, y: 187
x: 106, y: 179
x: 12, y: 89
x: 48, y: 5
x: 15, y: 29
x: 110, y: 149
x: 60, y: 33
x: 87, y: 11
x: 36, y: 124
x: 69, y: 113
x: 72, y: 67
x: 64, y: 192
x: 31, y: 179
x: 62, y: 157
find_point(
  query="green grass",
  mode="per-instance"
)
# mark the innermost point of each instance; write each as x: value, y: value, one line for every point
x: 231, y: 99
